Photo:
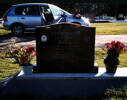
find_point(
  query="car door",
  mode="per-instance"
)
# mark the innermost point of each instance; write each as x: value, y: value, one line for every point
x: 56, y: 11
x: 46, y: 14
x: 29, y: 16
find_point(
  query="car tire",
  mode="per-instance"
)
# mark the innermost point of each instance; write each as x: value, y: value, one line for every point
x: 17, y: 30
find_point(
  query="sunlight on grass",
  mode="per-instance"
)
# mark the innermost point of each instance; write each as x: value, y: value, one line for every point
x: 1, y: 25
x: 110, y: 28
x: 99, y: 57
x: 4, y: 32
x: 7, y: 66
x: 101, y: 54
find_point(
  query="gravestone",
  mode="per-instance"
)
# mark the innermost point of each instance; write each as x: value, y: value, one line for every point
x: 65, y: 48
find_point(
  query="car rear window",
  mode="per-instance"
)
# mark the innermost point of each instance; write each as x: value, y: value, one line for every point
x: 27, y: 10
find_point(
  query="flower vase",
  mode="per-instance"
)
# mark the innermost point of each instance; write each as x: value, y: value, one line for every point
x: 27, y: 70
x: 111, y: 61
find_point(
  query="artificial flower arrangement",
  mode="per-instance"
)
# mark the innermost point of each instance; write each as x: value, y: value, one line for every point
x: 115, y: 46
x: 114, y: 49
x: 23, y: 56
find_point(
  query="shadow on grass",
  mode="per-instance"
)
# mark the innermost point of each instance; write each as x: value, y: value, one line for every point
x: 28, y: 36
x: 25, y: 35
x: 10, y: 39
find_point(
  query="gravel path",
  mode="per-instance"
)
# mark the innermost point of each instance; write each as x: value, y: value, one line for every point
x: 30, y: 40
x: 102, y: 39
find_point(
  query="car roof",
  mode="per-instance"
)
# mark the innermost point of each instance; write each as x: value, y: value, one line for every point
x: 44, y: 4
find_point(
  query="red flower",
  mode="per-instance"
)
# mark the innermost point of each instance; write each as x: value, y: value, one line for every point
x: 23, y: 56
x: 23, y: 59
x: 107, y: 45
x: 115, y: 45
x: 29, y: 50
x: 16, y: 51
x: 113, y: 42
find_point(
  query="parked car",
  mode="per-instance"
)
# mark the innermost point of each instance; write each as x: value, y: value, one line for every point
x: 25, y: 17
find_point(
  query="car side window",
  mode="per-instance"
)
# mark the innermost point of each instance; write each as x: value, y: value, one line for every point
x: 27, y: 10
x: 56, y: 11
x: 45, y: 10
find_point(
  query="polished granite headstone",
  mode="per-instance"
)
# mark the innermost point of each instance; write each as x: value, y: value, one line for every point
x: 65, y: 48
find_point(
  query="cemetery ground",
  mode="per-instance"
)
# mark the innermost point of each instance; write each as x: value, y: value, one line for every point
x: 8, y: 67
x: 101, y: 29
x: 110, y: 28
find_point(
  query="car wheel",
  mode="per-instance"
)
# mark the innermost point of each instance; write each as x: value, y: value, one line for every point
x: 17, y: 30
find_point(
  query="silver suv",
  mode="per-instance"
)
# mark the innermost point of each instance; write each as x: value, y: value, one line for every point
x: 25, y: 17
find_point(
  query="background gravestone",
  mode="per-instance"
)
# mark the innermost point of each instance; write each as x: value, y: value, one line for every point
x: 65, y: 48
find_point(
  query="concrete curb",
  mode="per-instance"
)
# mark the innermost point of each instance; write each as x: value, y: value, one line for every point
x: 47, y: 86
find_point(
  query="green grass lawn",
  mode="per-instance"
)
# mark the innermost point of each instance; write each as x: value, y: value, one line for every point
x: 7, y: 66
x: 4, y: 32
x: 110, y: 28
x: 1, y: 25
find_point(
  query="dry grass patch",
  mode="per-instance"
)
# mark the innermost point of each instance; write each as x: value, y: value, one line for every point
x: 110, y: 28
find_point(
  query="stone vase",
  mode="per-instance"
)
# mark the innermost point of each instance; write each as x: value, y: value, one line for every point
x: 111, y: 61
x: 27, y: 70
